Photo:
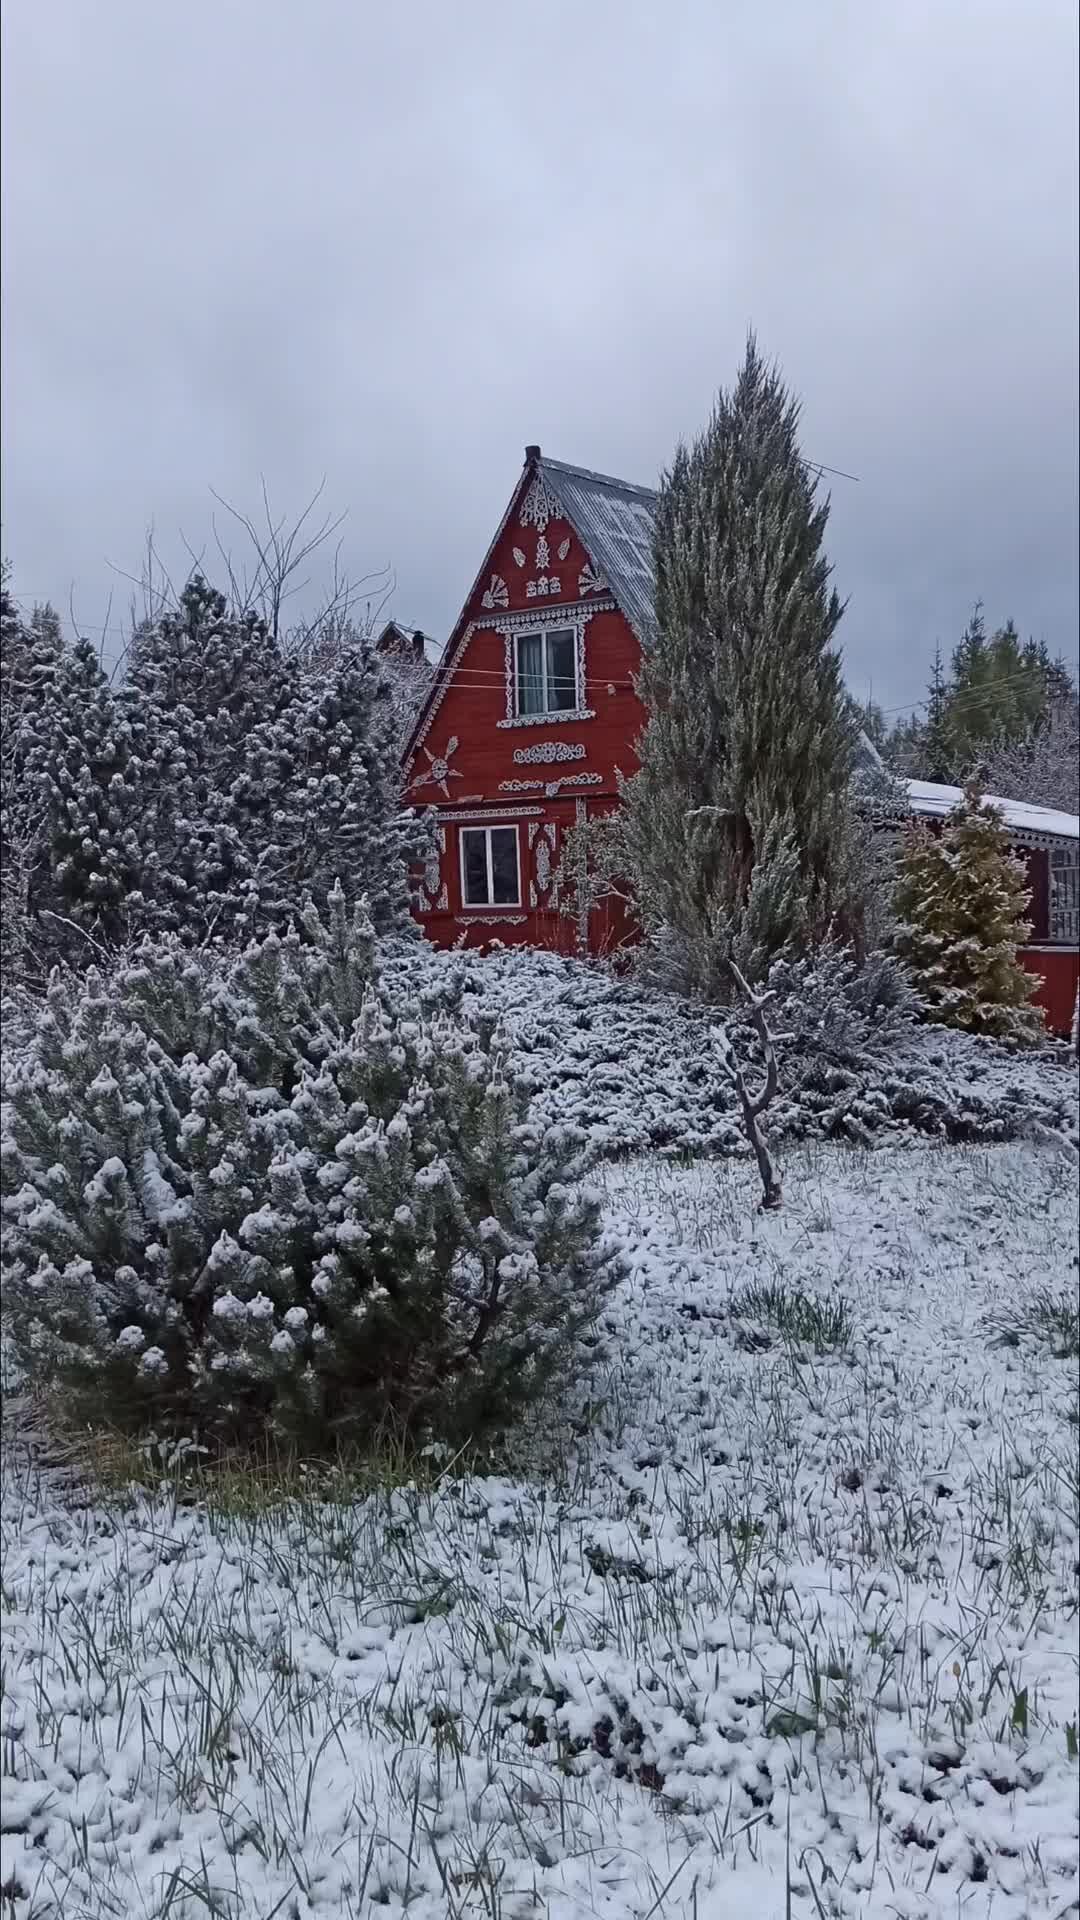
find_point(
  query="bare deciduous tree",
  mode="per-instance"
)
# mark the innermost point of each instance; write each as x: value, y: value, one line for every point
x: 754, y: 1105
x: 268, y: 574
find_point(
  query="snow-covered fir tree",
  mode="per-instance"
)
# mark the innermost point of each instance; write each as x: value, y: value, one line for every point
x: 86, y: 779
x: 327, y: 767
x: 30, y: 654
x: 962, y: 898
x: 738, y: 826
x: 256, y: 1196
x: 268, y: 780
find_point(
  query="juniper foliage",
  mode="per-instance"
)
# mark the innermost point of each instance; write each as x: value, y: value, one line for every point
x: 739, y: 823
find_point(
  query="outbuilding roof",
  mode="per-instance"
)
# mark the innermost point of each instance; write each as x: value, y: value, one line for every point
x: 933, y: 802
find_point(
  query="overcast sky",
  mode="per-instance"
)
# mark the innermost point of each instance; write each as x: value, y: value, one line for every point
x: 392, y: 245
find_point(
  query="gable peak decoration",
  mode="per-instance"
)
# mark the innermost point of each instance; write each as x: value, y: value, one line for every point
x: 539, y: 506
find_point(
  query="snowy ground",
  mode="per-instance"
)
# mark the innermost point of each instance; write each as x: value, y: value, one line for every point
x: 786, y: 1621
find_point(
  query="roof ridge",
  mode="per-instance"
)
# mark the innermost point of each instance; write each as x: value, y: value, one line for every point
x: 590, y: 473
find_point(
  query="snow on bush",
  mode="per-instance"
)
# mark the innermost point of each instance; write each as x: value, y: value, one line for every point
x: 268, y: 1194
x: 636, y: 1068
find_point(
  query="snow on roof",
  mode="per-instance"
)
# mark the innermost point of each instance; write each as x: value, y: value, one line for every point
x: 928, y: 798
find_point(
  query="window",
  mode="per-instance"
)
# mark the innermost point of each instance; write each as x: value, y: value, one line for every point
x: 489, y: 867
x: 545, y: 679
x: 1065, y: 895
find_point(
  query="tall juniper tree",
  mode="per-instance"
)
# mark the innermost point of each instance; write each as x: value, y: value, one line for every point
x: 738, y: 825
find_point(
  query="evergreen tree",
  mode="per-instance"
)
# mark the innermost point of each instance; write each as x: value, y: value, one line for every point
x: 269, y: 781
x: 30, y: 655
x: 324, y: 774
x: 938, y: 744
x: 997, y: 695
x: 278, y: 1203
x: 961, y: 901
x: 80, y: 761
x: 738, y: 825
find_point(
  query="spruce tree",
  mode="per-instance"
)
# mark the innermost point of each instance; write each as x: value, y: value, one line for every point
x: 961, y: 902
x: 738, y: 825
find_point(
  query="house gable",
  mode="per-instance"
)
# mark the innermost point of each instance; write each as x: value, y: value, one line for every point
x: 569, y: 540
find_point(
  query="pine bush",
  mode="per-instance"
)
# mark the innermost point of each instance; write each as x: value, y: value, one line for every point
x: 265, y: 1198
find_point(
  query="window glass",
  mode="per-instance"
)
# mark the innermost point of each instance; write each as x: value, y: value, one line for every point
x: 530, y: 665
x: 474, y: 864
x: 562, y: 693
x: 504, y: 873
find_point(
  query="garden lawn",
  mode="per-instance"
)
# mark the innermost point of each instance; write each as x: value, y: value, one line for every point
x: 780, y: 1614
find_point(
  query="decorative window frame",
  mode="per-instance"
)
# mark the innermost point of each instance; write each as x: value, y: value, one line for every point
x: 487, y: 828
x: 573, y: 614
x: 577, y: 618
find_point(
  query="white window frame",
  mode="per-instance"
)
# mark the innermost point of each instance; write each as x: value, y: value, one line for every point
x: 543, y: 633
x: 1063, y: 901
x: 489, y: 905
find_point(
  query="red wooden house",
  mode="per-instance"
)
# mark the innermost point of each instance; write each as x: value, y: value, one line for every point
x: 532, y: 712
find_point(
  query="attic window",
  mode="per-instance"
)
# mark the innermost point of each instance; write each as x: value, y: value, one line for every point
x: 545, y: 672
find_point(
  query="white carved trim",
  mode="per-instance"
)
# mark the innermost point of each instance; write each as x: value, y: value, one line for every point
x: 551, y: 787
x: 493, y: 813
x: 576, y: 618
x: 548, y: 719
x: 519, y: 557
x: 497, y: 594
x: 532, y: 617
x: 589, y: 580
x: 581, y: 812
x: 539, y: 505
x: 548, y: 584
x: 490, y: 919
x: 439, y: 771
x: 502, y: 622
x: 548, y: 753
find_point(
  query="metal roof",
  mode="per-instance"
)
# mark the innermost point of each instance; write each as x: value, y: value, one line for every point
x: 928, y: 797
x: 616, y: 523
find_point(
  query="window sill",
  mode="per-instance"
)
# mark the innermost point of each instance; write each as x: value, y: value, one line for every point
x: 566, y: 717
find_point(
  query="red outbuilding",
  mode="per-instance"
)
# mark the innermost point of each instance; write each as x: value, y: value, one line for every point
x: 532, y: 715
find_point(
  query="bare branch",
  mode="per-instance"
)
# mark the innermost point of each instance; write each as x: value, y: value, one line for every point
x: 754, y: 1105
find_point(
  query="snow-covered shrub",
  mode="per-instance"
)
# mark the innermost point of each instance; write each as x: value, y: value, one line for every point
x: 636, y: 1069
x: 836, y: 1012
x: 266, y: 1195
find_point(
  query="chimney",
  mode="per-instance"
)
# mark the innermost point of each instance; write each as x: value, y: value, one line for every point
x: 532, y: 453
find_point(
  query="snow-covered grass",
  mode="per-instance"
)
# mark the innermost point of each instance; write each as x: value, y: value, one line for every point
x: 780, y: 1616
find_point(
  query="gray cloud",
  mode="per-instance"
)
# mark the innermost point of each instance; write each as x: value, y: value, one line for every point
x: 246, y: 239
